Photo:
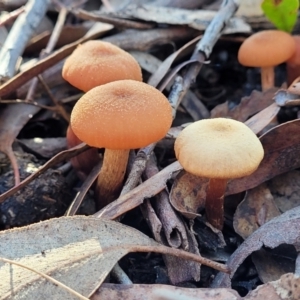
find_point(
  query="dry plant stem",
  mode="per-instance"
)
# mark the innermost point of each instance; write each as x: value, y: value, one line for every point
x: 214, y: 203
x: 267, y: 78
x: 184, y: 255
x: 111, y: 176
x: 19, y: 36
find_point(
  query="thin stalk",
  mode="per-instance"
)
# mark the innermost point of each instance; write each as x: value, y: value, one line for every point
x: 111, y: 176
x: 214, y: 204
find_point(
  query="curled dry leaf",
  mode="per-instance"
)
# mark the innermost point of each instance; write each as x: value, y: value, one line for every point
x: 188, y: 194
x: 284, y: 229
x: 77, y: 251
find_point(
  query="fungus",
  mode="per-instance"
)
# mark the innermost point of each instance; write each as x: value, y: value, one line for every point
x: 266, y: 49
x: 96, y: 62
x: 119, y: 116
x: 219, y: 149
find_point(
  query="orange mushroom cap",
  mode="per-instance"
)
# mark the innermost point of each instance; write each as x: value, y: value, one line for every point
x: 123, y: 114
x: 95, y: 63
x: 266, y: 49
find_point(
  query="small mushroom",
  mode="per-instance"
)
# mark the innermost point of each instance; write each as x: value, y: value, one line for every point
x: 219, y: 149
x: 96, y: 62
x: 119, y: 116
x: 266, y: 49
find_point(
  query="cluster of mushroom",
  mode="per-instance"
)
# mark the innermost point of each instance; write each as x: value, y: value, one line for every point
x: 118, y: 112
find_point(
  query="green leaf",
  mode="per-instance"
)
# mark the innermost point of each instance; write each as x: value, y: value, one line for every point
x: 282, y: 13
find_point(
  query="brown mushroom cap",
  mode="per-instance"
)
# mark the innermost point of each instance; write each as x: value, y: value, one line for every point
x: 95, y: 63
x: 218, y: 148
x: 266, y: 49
x: 123, y: 114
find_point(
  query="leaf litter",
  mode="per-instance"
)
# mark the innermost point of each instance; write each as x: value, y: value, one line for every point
x: 270, y: 191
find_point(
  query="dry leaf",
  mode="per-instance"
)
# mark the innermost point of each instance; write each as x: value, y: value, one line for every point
x: 77, y: 251
x: 248, y: 106
x: 256, y: 209
x: 161, y: 292
x: 135, y: 197
x: 286, y: 190
x: 286, y: 288
x: 284, y: 229
x: 197, y: 19
x: 188, y: 194
x: 282, y: 149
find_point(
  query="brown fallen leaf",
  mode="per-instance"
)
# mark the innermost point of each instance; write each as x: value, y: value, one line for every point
x: 284, y: 229
x: 161, y: 292
x: 257, y: 208
x: 248, y: 106
x: 285, y: 189
x: 77, y: 251
x: 188, y: 194
x: 286, y: 288
x: 282, y: 149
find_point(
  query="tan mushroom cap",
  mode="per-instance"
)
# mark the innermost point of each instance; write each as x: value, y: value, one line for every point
x: 266, y: 48
x: 95, y: 63
x: 123, y: 114
x: 218, y: 148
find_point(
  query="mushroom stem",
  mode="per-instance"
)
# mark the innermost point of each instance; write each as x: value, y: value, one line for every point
x: 214, y: 204
x: 267, y: 78
x: 111, y: 176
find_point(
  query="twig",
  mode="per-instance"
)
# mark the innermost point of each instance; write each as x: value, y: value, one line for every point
x: 58, y: 107
x: 120, y: 275
x: 19, y: 35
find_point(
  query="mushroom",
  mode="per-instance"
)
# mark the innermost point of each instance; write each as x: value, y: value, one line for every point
x: 219, y: 149
x: 266, y: 49
x: 119, y: 116
x: 96, y: 62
